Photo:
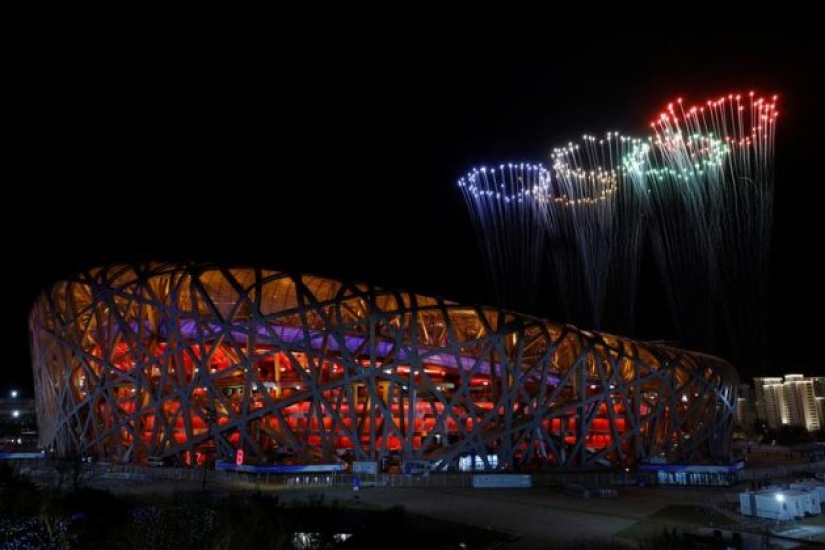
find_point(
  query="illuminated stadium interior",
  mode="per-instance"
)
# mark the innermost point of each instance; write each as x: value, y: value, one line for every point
x: 191, y: 362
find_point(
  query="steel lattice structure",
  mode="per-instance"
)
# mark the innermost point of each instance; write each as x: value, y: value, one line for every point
x: 132, y: 361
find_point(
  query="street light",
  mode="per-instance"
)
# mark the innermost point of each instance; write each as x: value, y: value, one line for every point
x: 14, y: 394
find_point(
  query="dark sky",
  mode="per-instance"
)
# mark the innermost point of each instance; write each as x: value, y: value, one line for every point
x: 337, y: 152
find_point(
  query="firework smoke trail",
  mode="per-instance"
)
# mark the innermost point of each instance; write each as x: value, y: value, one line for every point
x: 748, y: 125
x: 682, y: 180
x: 716, y: 167
x: 577, y: 216
x: 585, y: 211
x: 701, y: 187
x: 631, y: 217
x: 509, y: 226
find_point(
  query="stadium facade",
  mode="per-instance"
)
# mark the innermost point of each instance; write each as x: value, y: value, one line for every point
x: 186, y: 361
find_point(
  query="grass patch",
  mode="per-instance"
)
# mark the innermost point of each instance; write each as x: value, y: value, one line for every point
x: 680, y: 517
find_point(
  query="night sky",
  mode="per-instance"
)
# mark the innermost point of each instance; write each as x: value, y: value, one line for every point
x: 337, y: 154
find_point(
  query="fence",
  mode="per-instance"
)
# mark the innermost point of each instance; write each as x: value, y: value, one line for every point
x: 45, y: 469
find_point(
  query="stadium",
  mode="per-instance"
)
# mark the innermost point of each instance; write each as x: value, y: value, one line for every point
x: 193, y: 362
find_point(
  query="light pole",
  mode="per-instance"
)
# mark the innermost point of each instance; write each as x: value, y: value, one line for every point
x: 210, y: 414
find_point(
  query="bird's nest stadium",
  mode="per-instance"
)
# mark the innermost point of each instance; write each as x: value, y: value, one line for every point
x: 192, y: 361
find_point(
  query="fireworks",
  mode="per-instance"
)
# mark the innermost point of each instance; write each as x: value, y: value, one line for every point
x: 713, y: 164
x: 700, y: 187
x: 505, y: 207
x: 588, y: 177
